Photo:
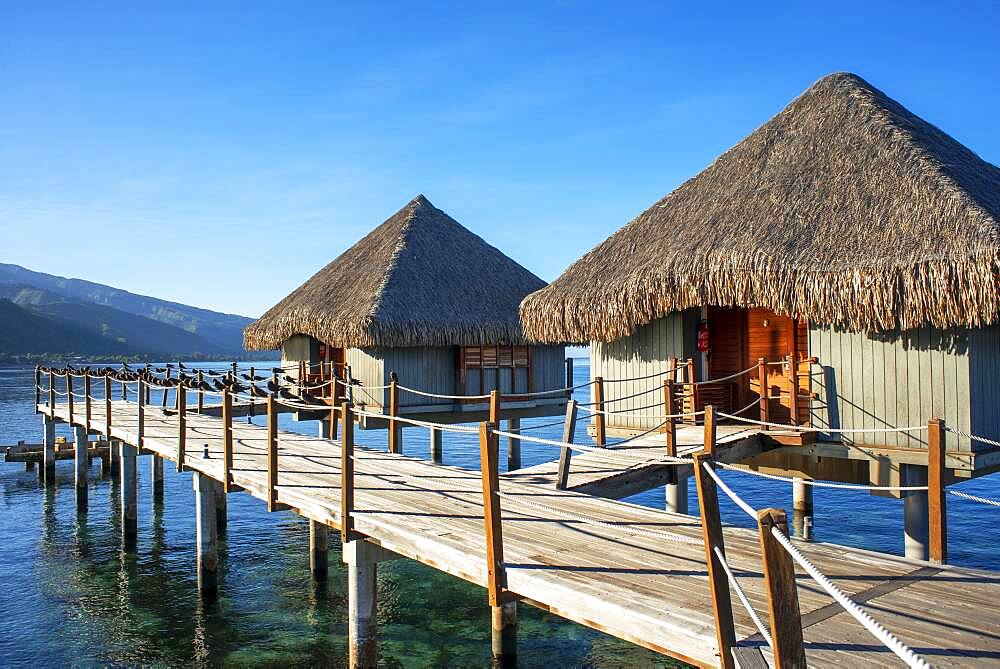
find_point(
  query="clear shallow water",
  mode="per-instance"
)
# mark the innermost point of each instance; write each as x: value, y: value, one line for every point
x: 69, y: 596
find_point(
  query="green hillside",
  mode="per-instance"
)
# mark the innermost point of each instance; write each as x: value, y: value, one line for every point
x: 24, y: 333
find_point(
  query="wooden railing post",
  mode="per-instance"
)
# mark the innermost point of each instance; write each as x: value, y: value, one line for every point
x: 141, y: 398
x: 566, y: 453
x: 489, y: 463
x: 227, y: 440
x: 52, y: 395
x: 272, y: 452
x: 711, y: 529
x: 334, y: 402
x: 166, y: 387
x: 69, y: 393
x: 38, y: 387
x: 394, y: 445
x: 782, y: 594
x: 181, y: 425
x: 600, y: 425
x: 149, y: 375
x: 107, y: 408
x: 668, y: 410
x: 86, y: 400
x: 347, y: 474
x: 937, y: 507
x: 793, y: 384
x: 124, y: 386
x: 764, y: 402
x: 710, y: 430
x: 201, y: 393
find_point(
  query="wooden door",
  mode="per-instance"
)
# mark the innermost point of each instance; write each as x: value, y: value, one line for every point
x: 727, y: 355
x: 774, y: 338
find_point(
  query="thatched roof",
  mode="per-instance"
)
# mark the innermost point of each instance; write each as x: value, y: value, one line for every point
x: 845, y: 209
x: 419, y: 279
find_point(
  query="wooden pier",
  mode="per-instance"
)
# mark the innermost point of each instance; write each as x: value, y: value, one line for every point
x: 633, y: 572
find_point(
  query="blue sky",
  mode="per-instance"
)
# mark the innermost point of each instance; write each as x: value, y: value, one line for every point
x: 256, y: 141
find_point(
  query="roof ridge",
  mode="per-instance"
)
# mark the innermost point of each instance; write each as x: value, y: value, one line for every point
x: 401, y: 240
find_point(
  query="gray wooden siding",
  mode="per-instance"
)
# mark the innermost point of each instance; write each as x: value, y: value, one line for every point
x: 891, y: 380
x: 297, y: 347
x: 366, y: 368
x: 644, y: 353
x: 548, y: 368
x: 984, y: 381
x: 427, y: 368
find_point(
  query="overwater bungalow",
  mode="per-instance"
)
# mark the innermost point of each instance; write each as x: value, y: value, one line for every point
x: 852, y: 247
x: 424, y: 302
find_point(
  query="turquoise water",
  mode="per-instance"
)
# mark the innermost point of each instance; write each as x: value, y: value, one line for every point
x: 71, y: 597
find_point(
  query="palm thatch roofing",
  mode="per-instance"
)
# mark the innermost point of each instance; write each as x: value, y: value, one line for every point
x: 419, y: 279
x: 845, y: 209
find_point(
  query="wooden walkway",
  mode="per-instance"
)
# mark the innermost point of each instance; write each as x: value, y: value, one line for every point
x: 645, y: 589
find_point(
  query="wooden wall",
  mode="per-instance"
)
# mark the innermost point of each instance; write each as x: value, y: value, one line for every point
x: 367, y: 367
x: 897, y: 380
x: 984, y: 372
x: 297, y: 347
x: 647, y: 351
x: 427, y: 368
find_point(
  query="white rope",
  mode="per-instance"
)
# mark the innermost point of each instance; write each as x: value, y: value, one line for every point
x: 639, y: 531
x: 437, y: 395
x: 648, y: 376
x: 666, y: 459
x: 878, y: 631
x: 357, y: 385
x: 758, y: 623
x: 692, y: 414
x: 722, y: 379
x: 804, y: 428
x: 975, y: 498
x: 422, y: 423
x: 747, y: 509
x: 819, y: 484
x: 972, y: 437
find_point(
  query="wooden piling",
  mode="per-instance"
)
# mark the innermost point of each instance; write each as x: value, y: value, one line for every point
x: 802, y: 509
x: 395, y: 432
x: 566, y: 453
x: 80, y: 461
x: 600, y: 436
x: 319, y: 545
x: 272, y: 452
x: 488, y: 459
x: 437, y: 444
x: 156, y: 478
x: 181, y: 426
x: 937, y: 507
x: 513, y: 445
x: 129, y: 497
x: 47, y: 473
x: 711, y: 526
x: 347, y: 475
x: 670, y: 429
x: 503, y: 620
x: 207, y: 534
x: 362, y: 604
x: 710, y: 430
x: 227, y: 440
x: 782, y: 595
x: 569, y: 377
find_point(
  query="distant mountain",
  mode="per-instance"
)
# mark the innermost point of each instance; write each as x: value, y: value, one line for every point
x: 142, y: 336
x: 224, y: 331
x: 24, y: 333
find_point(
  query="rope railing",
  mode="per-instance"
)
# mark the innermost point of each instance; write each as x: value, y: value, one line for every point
x: 820, y: 484
x: 832, y: 430
x: 974, y: 498
x: 751, y: 611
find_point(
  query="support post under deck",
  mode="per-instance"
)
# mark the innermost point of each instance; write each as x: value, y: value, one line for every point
x: 437, y: 450
x: 221, y: 511
x: 677, y: 492
x: 504, y: 637
x: 362, y: 588
x: 319, y: 544
x: 47, y: 473
x: 156, y: 484
x: 513, y: 445
x: 205, y: 489
x: 915, y: 521
x: 81, y: 460
x: 130, y: 502
x: 802, y: 510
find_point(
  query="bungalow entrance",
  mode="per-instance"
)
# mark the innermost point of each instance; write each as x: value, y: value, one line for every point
x: 738, y: 339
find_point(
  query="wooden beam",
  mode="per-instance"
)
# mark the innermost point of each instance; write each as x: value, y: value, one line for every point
x: 937, y: 507
x: 38, y: 387
x: 52, y: 395
x: 495, y: 406
x: 141, y: 403
x: 711, y: 529
x: 201, y: 393
x: 600, y: 425
x: 272, y: 452
x: 793, y: 384
x: 668, y: 409
x: 107, y: 407
x: 782, y: 594
x: 710, y: 430
x: 565, y: 453
x: 166, y: 389
x: 489, y: 464
x: 181, y: 426
x: 227, y: 440
x: 86, y: 400
x: 347, y: 532
x: 69, y: 393
x: 764, y: 400
x: 394, y: 442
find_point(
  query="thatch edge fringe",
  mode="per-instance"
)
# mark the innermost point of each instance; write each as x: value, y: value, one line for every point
x: 944, y: 293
